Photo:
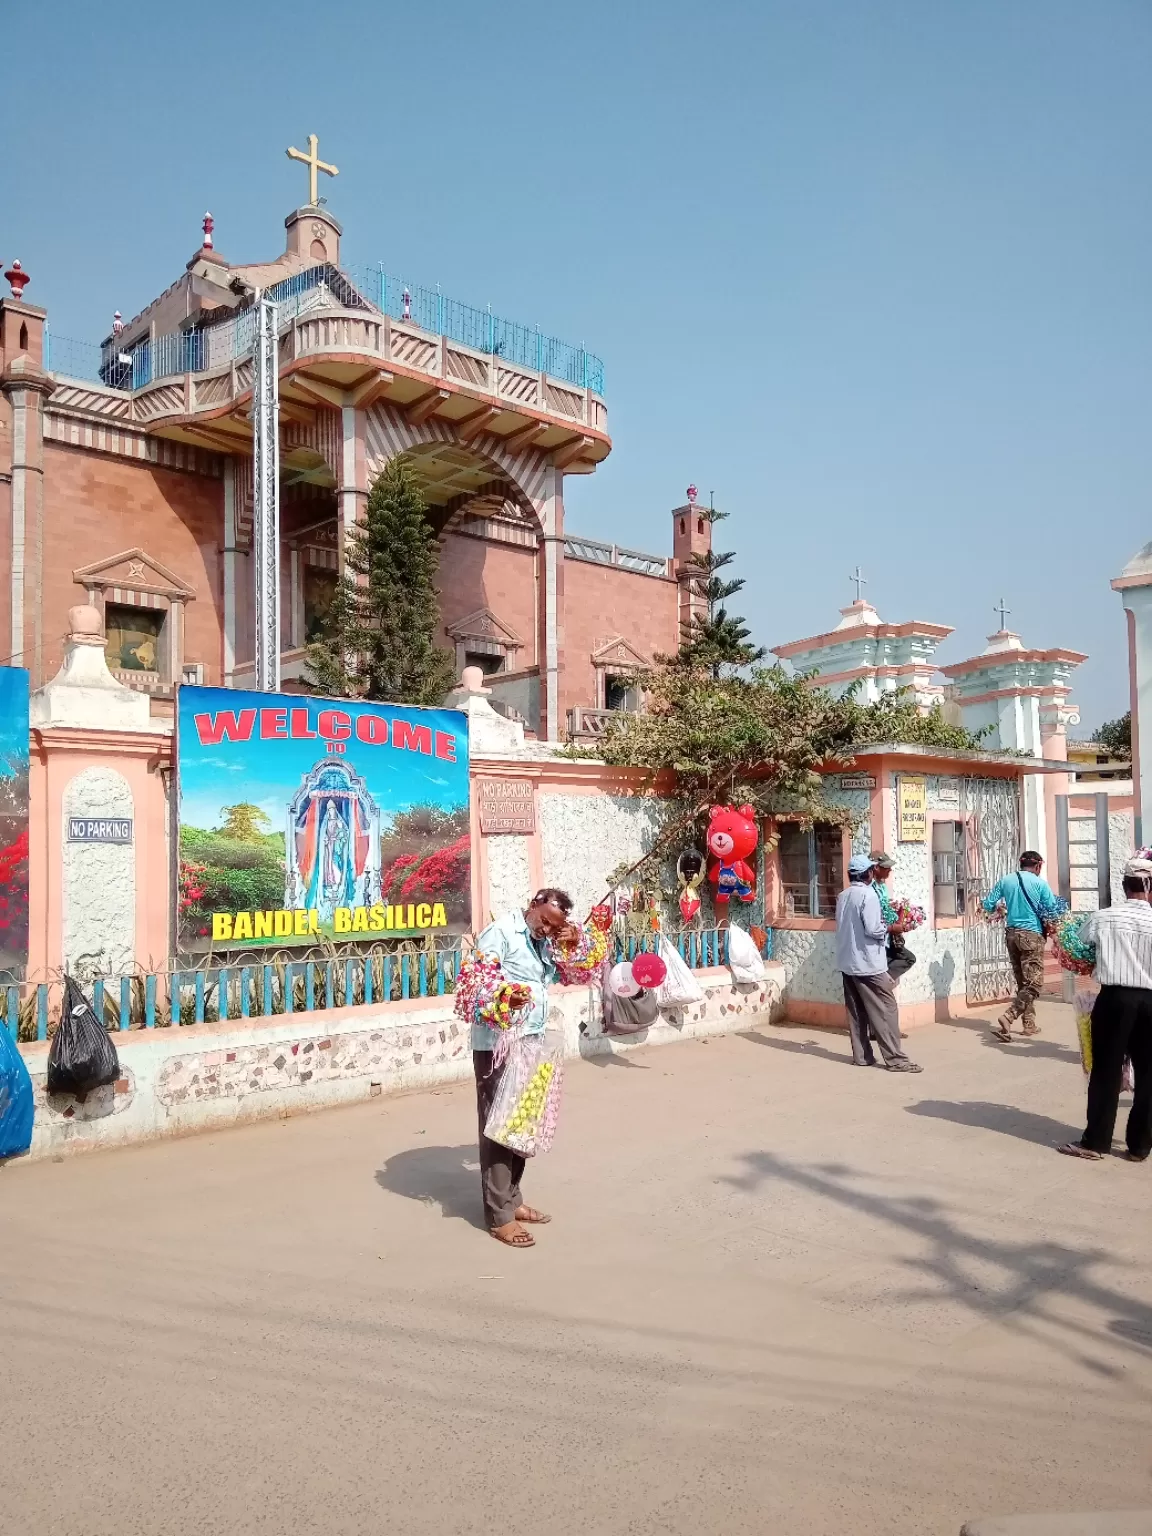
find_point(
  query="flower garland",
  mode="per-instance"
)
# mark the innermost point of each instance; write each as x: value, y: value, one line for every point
x: 907, y: 913
x: 576, y: 961
x: 484, y: 996
x: 1073, y: 952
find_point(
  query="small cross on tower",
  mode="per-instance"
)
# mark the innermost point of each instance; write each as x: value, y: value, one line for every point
x: 1003, y: 611
x: 314, y: 163
x: 861, y: 581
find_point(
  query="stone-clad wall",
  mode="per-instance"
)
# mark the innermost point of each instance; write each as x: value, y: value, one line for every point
x: 583, y: 838
x: 205, y: 1077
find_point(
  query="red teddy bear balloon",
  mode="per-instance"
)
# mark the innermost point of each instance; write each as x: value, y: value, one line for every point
x: 731, y: 840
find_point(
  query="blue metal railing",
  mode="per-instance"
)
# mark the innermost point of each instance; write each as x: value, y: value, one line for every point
x: 269, y: 989
x: 200, y: 347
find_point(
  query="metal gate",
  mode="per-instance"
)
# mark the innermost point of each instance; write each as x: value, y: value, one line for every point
x: 991, y: 812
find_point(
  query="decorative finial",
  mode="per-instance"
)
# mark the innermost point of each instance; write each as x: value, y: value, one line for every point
x: 692, y: 493
x: 117, y: 323
x: 208, y: 226
x: 314, y: 163
x: 1003, y: 611
x: 17, y: 279
x: 861, y: 581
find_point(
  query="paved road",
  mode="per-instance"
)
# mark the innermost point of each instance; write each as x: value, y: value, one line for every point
x: 779, y: 1294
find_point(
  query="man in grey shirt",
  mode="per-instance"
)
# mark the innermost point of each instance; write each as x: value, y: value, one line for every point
x: 862, y: 960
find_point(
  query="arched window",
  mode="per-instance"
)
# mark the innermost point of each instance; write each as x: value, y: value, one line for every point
x: 683, y: 526
x: 699, y: 525
x: 23, y: 338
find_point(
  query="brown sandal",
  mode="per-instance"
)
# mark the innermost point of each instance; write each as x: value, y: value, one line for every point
x: 517, y: 1238
x: 1031, y: 1029
x: 1002, y: 1032
x: 1074, y: 1149
x: 531, y: 1217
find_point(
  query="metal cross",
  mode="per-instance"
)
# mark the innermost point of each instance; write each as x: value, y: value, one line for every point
x: 314, y: 163
x: 1003, y: 611
x: 860, y: 579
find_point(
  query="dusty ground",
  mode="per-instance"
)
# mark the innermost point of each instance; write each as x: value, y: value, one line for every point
x: 779, y: 1294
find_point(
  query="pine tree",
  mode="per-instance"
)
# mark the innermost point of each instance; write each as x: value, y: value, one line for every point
x: 719, y: 639
x: 378, y: 640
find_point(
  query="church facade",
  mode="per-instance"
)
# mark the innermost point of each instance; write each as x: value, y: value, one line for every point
x: 126, y: 481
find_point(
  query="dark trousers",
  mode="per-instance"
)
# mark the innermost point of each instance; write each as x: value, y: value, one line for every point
x: 900, y: 961
x: 500, y: 1169
x: 871, y: 1005
x: 1121, y: 1026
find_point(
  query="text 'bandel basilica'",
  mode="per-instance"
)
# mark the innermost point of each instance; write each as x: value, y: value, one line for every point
x: 130, y: 479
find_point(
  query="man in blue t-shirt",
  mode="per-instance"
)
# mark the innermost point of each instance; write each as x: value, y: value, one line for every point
x: 1027, y: 900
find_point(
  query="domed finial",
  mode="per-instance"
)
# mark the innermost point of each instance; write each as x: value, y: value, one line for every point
x: 692, y: 495
x: 117, y: 323
x: 17, y: 279
x: 208, y: 226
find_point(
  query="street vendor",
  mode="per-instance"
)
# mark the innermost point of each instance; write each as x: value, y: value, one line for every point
x: 522, y: 942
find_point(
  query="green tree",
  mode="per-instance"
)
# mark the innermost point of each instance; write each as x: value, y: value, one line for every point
x: 378, y: 638
x: 245, y: 823
x: 715, y: 639
x: 1115, y: 736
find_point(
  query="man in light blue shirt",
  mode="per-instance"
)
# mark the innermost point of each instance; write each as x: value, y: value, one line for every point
x: 1027, y: 900
x: 522, y: 942
x: 862, y: 960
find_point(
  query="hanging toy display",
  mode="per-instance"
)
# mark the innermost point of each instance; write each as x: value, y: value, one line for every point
x: 622, y: 981
x: 649, y: 971
x: 690, y: 877
x: 731, y: 840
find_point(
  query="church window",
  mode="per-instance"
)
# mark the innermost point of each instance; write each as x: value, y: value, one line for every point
x: 811, y: 862
x: 319, y: 590
x: 683, y: 526
x: 621, y: 692
x: 489, y: 665
x: 134, y: 638
x: 23, y: 338
x: 948, y: 868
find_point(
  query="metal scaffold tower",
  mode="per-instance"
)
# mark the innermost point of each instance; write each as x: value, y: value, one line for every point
x: 266, y: 494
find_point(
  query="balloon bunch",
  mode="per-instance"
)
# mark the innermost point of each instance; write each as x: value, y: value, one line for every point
x: 1073, y: 952
x: 642, y: 973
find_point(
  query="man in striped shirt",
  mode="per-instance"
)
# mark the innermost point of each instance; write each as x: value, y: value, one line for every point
x: 1121, y: 1019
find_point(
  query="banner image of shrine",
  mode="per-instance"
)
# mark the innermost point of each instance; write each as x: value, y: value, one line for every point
x: 308, y: 819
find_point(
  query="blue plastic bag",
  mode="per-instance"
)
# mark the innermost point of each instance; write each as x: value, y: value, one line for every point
x: 15, y: 1099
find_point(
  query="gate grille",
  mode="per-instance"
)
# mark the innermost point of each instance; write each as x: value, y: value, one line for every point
x: 991, y: 811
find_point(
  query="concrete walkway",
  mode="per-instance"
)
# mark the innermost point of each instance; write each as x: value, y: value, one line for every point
x: 779, y: 1294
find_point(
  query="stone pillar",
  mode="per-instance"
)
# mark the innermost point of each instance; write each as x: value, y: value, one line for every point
x: 26, y: 386
x: 352, y: 492
x: 232, y: 557
x: 551, y: 601
x: 1134, y: 585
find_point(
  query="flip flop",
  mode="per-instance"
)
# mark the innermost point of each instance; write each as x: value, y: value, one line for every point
x: 1074, y: 1149
x: 1002, y: 1032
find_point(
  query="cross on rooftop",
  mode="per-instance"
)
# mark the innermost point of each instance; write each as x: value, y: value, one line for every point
x: 314, y: 163
x: 861, y: 581
x: 1003, y: 611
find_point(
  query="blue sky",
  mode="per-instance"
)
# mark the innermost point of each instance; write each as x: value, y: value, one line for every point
x: 874, y: 273
x: 268, y: 773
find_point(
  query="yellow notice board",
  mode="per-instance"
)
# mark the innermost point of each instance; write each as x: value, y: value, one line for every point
x: 912, y: 809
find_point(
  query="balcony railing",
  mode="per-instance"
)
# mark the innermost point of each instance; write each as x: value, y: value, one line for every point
x: 596, y: 553
x: 197, y: 348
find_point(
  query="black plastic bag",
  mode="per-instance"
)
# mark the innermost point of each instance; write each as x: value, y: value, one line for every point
x: 82, y: 1055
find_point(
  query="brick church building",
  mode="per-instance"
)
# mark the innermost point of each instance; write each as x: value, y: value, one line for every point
x: 126, y: 481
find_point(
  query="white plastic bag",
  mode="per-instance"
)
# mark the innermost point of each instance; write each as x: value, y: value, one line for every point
x: 679, y: 987
x: 743, y: 957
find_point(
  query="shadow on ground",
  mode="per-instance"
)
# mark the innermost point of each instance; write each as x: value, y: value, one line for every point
x: 797, y: 1047
x: 445, y: 1176
x: 1026, y: 1045
x: 1008, y: 1119
x: 1020, y: 1283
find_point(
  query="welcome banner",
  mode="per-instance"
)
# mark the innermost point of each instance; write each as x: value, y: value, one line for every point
x: 304, y: 819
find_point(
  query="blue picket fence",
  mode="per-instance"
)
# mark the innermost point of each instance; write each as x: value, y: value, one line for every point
x: 216, y: 993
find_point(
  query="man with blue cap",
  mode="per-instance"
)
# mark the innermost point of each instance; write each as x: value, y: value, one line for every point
x: 862, y: 960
